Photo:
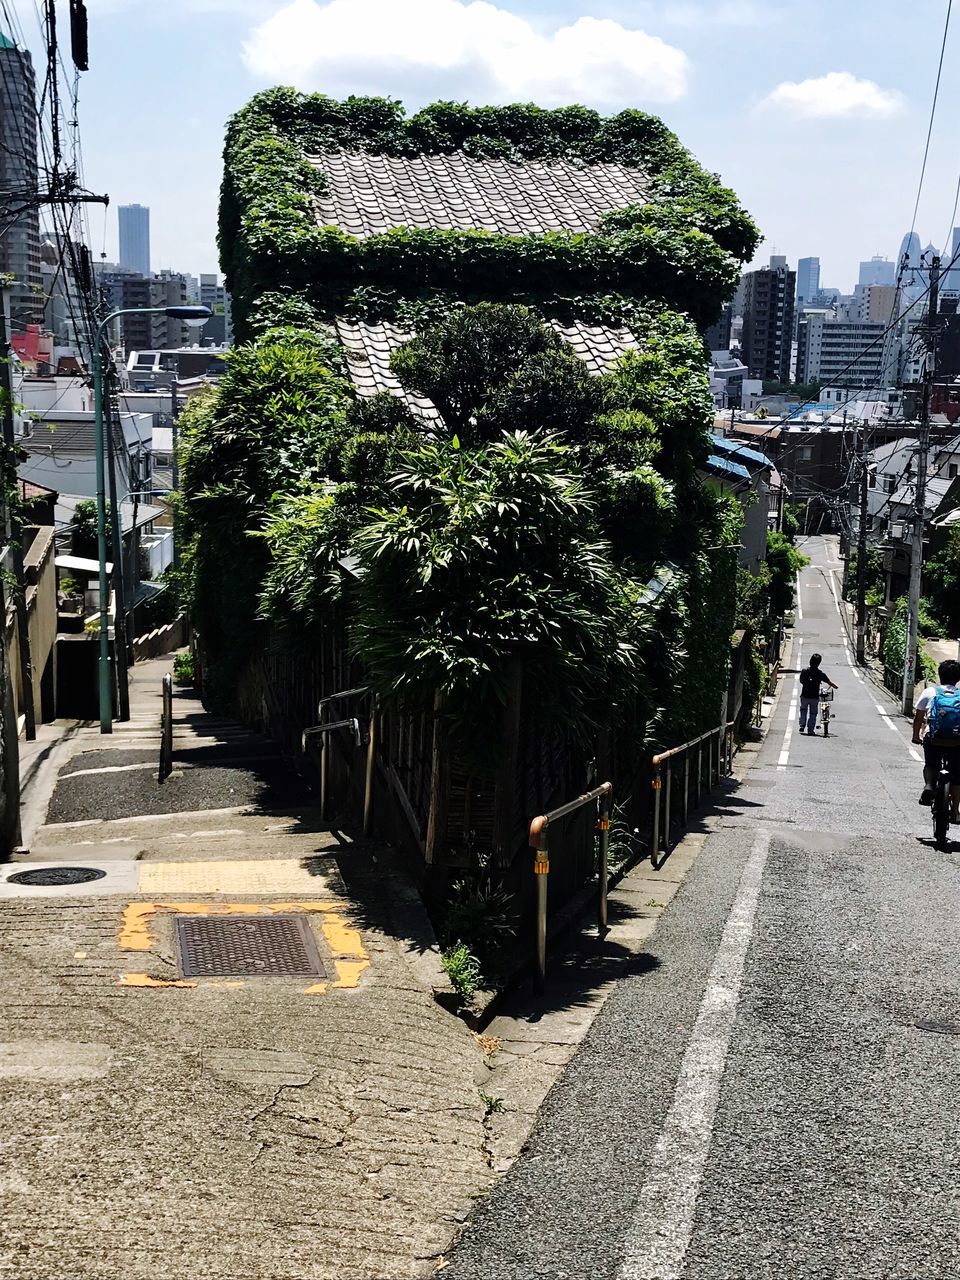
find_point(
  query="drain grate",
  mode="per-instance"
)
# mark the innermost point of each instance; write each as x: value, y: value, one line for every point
x: 56, y: 876
x: 241, y: 947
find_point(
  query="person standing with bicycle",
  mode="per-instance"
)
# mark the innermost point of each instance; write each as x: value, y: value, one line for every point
x: 936, y: 726
x: 811, y: 678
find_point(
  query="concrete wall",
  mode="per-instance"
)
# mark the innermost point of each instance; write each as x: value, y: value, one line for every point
x: 41, y: 575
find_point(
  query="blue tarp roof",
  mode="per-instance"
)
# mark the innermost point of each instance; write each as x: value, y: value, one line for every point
x: 727, y: 468
x: 733, y: 448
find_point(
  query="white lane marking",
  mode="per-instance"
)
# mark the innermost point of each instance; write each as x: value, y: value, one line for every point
x: 916, y: 754
x: 662, y: 1223
x: 784, y: 757
x: 799, y: 602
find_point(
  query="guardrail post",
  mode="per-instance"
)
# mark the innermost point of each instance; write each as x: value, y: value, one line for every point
x: 699, y: 772
x: 603, y: 827
x: 655, y: 846
x: 166, y: 729
x: 686, y: 787
x: 541, y: 870
x: 368, y: 779
x: 667, y: 805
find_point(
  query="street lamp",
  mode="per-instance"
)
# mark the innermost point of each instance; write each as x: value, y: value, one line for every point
x: 185, y: 313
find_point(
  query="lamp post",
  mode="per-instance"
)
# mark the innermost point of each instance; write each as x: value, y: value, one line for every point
x: 175, y: 313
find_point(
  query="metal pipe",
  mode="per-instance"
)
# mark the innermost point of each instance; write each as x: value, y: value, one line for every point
x: 368, y: 780
x: 603, y: 827
x: 655, y: 843
x: 686, y: 787
x: 106, y: 692
x: 540, y: 840
x: 667, y: 810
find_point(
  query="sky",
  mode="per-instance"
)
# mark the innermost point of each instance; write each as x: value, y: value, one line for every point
x: 814, y: 111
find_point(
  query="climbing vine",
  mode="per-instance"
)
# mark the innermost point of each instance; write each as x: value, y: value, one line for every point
x: 683, y: 247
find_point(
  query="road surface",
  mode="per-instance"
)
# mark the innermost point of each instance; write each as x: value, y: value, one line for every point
x: 780, y: 1095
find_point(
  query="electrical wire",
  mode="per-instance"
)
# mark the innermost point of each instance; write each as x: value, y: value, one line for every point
x: 933, y: 113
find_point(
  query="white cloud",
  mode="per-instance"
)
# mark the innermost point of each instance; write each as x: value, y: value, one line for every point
x: 423, y: 49
x: 834, y: 96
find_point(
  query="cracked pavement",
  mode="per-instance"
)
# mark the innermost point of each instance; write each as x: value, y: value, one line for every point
x: 239, y: 1131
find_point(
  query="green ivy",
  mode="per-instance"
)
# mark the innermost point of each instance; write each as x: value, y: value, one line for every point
x: 684, y: 247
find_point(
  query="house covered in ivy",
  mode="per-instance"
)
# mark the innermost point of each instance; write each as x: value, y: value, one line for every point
x: 458, y: 451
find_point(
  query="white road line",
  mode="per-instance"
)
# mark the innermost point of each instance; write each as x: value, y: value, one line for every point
x: 799, y: 603
x: 916, y: 754
x: 662, y: 1224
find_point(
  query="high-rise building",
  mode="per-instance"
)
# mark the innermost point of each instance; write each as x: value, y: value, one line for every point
x: 877, y: 270
x: 808, y: 280
x: 135, y: 238
x: 768, y: 321
x: 839, y: 353
x: 951, y: 276
x: 144, y: 330
x: 20, y: 235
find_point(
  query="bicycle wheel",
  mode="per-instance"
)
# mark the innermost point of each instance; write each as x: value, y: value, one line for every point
x: 941, y: 811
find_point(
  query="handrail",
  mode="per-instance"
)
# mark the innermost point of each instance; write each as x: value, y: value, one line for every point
x: 539, y: 839
x: 166, y: 729
x: 719, y: 764
x: 344, y: 693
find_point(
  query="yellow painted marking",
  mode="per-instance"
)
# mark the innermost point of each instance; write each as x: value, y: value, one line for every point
x: 318, y: 989
x: 348, y: 972
x: 79, y: 955
x: 342, y: 939
x: 282, y: 875
x: 135, y: 927
x: 144, y: 980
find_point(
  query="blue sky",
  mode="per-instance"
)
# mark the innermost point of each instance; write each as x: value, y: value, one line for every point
x: 815, y: 111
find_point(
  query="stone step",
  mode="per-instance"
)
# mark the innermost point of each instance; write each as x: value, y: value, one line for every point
x: 238, y: 821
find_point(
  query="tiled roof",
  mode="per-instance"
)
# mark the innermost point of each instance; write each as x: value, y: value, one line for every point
x: 367, y: 348
x: 367, y: 194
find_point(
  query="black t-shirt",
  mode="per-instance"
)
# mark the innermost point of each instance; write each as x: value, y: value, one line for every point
x: 811, y: 678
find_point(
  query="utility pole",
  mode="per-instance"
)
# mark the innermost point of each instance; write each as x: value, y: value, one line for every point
x: 923, y: 449
x: 12, y: 531
x: 175, y: 460
x: 862, y: 553
x: 113, y: 427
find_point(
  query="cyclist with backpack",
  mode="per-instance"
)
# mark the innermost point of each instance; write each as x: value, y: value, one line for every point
x: 936, y: 724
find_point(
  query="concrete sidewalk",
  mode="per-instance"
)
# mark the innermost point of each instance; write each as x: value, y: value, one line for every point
x: 324, y: 1126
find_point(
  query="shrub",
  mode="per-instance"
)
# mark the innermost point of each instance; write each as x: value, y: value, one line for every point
x: 463, y: 970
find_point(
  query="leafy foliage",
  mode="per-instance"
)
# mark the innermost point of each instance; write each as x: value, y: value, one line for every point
x: 895, y: 639
x: 942, y: 578
x: 783, y: 563
x: 267, y: 429
x: 83, y: 530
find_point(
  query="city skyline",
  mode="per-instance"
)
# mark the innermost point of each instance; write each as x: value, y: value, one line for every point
x: 748, y: 86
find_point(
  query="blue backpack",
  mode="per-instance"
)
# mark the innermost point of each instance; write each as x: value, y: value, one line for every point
x: 944, y: 713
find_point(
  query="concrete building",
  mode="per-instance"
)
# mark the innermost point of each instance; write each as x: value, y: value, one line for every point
x: 877, y: 270
x: 768, y: 302
x: 808, y: 280
x: 717, y: 337
x: 843, y: 353
x: 214, y: 295
x: 20, y: 234
x: 126, y: 289
x: 135, y: 238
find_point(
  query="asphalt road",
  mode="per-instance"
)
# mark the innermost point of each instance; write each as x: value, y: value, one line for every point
x: 779, y: 1096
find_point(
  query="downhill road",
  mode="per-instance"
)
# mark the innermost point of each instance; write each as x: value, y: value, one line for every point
x: 779, y: 1094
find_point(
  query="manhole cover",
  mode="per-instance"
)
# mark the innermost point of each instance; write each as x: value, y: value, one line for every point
x: 218, y: 947
x: 56, y: 875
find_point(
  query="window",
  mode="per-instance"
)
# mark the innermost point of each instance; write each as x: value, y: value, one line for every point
x: 952, y: 471
x: 806, y: 453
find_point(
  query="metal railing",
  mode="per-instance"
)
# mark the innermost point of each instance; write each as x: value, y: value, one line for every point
x: 540, y: 841
x: 717, y: 747
x: 166, y: 730
x: 363, y: 736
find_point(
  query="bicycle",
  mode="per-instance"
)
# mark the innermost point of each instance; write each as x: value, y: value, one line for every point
x: 940, y: 807
x: 825, y: 700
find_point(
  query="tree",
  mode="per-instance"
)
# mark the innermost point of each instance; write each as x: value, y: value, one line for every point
x: 83, y: 530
